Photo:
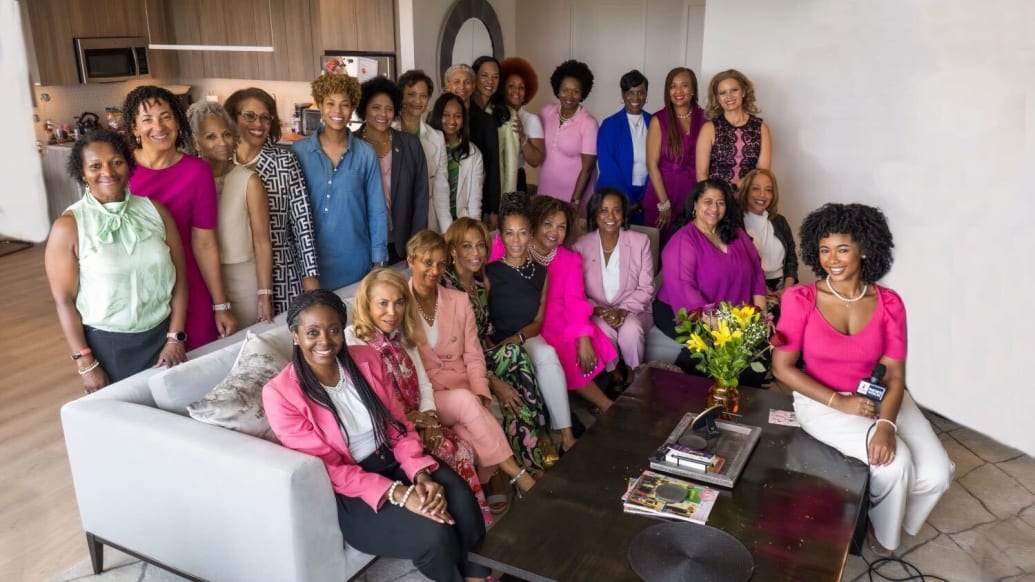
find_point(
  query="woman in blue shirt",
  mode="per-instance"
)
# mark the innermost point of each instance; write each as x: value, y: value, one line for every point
x: 349, y: 212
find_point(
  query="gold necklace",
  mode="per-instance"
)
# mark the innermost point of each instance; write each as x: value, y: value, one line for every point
x: 685, y: 115
x: 434, y: 313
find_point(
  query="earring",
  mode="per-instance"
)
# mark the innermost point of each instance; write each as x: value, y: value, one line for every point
x: 137, y: 138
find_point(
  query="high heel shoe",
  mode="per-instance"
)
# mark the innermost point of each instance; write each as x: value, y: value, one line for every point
x: 514, y: 480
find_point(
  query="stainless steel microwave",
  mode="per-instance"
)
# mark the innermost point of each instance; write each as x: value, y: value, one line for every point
x: 109, y: 59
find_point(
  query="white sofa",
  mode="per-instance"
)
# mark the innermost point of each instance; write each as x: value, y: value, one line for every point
x: 200, y: 500
x: 204, y: 501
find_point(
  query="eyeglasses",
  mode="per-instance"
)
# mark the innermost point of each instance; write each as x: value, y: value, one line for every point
x: 252, y: 117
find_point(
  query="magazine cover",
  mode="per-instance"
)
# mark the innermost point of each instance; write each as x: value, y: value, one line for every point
x: 659, y: 495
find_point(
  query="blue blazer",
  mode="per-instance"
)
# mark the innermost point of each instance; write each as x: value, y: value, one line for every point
x: 615, y: 152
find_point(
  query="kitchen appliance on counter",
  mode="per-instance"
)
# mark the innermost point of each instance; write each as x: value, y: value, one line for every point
x: 86, y: 122
x: 362, y: 65
x: 107, y: 59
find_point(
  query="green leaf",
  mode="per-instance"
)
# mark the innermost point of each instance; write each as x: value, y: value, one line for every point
x: 758, y: 367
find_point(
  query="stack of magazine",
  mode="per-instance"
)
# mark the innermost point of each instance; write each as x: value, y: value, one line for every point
x: 688, y: 458
x: 657, y: 495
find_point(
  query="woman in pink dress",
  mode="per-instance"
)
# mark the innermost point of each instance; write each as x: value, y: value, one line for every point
x: 671, y: 150
x: 583, y: 349
x: 185, y: 186
x: 571, y: 136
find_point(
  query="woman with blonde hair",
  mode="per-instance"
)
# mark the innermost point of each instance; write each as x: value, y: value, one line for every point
x: 455, y: 361
x: 512, y: 377
x: 244, y: 218
x: 385, y: 318
x: 344, y: 178
x: 759, y: 198
x: 734, y: 141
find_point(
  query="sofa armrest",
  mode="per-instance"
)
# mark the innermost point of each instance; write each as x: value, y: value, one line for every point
x: 218, y: 504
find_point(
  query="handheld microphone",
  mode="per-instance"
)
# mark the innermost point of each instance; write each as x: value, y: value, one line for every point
x: 870, y: 387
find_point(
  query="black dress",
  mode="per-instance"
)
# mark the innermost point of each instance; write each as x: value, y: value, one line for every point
x: 514, y: 297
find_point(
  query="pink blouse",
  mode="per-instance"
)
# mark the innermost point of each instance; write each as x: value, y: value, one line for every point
x: 565, y: 145
x: 832, y: 358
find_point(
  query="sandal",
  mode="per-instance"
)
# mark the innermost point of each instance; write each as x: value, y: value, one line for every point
x: 496, y: 495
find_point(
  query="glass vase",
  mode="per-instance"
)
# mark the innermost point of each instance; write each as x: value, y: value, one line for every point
x: 725, y: 395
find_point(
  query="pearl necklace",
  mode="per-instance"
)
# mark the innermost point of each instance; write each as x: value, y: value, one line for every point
x: 544, y: 260
x: 843, y: 298
x: 430, y: 320
x: 685, y: 115
x: 341, y: 380
x: 520, y: 270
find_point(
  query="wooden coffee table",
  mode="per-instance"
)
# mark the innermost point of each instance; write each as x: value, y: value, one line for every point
x: 795, y: 506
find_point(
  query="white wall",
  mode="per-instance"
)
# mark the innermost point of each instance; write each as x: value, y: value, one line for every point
x: 23, y: 200
x: 925, y: 109
x: 612, y: 37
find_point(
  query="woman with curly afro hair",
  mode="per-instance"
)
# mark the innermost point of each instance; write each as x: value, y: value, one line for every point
x: 349, y: 212
x: 845, y: 325
x: 571, y: 136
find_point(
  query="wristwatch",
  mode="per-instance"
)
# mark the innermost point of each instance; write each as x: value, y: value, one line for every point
x: 179, y: 336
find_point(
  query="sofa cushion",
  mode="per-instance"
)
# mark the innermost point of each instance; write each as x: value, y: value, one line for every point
x: 236, y: 402
x: 175, y: 388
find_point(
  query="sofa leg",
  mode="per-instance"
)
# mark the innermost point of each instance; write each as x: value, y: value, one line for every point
x: 96, y: 552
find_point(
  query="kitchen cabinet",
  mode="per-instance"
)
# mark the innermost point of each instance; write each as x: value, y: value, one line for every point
x: 52, y: 24
x: 283, y: 24
x: 354, y: 25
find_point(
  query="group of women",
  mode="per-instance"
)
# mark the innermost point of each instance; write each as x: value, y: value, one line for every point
x: 168, y: 250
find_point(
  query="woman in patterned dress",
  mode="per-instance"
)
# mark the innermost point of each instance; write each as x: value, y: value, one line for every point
x: 734, y: 141
x: 511, y: 374
x: 386, y: 320
x: 291, y: 217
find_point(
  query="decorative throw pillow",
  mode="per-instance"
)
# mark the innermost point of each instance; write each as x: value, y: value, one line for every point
x: 236, y: 402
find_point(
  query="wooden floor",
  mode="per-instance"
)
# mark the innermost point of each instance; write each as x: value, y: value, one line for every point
x: 40, y: 531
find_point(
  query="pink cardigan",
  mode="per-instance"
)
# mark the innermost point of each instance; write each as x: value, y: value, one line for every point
x: 456, y: 361
x: 307, y: 427
x: 635, y: 267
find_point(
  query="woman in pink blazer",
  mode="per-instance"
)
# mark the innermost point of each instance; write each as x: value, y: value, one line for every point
x: 334, y: 403
x: 455, y: 363
x: 619, y: 274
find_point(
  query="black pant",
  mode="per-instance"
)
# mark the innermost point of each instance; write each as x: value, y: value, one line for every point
x: 438, y: 550
x: 665, y: 320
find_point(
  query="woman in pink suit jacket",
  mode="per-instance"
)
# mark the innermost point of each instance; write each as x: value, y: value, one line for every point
x: 619, y: 274
x: 333, y: 403
x: 454, y: 360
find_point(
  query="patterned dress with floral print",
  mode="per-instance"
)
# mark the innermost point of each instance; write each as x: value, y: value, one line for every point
x: 527, y: 430
x: 453, y: 451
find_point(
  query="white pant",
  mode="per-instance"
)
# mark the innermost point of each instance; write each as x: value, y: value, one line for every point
x: 902, y: 493
x: 552, y: 384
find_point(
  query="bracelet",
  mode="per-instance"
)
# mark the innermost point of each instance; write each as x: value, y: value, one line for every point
x: 265, y: 291
x: 83, y: 352
x: 418, y: 474
x: 409, y: 491
x: 832, y: 396
x: 89, y: 368
x: 893, y: 425
x: 665, y: 206
x: 391, y: 493
x: 521, y: 337
x: 221, y: 306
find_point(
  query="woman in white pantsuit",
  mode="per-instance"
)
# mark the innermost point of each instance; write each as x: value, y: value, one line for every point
x: 843, y: 325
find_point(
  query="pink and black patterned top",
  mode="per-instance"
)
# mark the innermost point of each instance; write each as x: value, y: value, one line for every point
x: 736, y: 150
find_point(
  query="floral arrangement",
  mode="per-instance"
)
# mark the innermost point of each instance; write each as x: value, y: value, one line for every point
x: 725, y: 339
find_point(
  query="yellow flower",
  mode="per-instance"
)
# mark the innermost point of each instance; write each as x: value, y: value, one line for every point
x: 696, y: 344
x: 722, y: 335
x: 743, y: 315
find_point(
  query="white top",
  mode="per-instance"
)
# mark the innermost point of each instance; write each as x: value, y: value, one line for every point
x: 638, y: 129
x: 430, y: 331
x: 427, y: 393
x: 359, y: 427
x: 760, y: 229
x: 612, y: 277
x: 533, y: 129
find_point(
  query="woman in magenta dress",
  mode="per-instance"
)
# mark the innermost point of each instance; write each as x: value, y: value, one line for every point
x: 582, y: 348
x: 185, y: 186
x: 671, y: 150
